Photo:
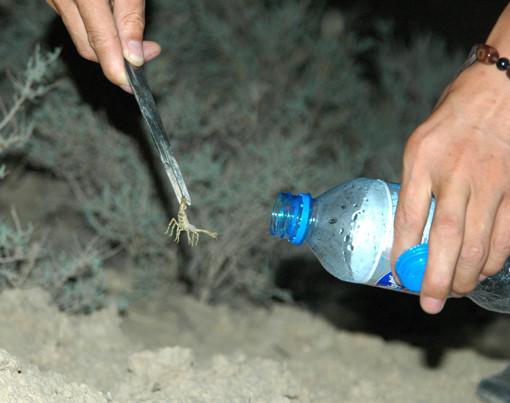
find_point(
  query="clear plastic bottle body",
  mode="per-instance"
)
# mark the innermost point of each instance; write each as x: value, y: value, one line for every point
x: 493, y: 293
x: 350, y: 230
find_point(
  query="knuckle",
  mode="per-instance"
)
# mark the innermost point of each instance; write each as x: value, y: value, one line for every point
x: 133, y: 21
x: 448, y: 224
x: 501, y: 243
x: 438, y: 286
x: 473, y: 254
x: 492, y: 269
x: 464, y: 285
x: 417, y: 140
x: 411, y: 150
x: 417, y: 149
x: 99, y: 39
x: 406, y: 219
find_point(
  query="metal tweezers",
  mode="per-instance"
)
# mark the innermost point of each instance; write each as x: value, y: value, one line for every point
x: 150, y: 113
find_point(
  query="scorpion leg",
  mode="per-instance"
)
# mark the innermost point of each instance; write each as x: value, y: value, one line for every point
x: 191, y: 238
x: 171, y: 227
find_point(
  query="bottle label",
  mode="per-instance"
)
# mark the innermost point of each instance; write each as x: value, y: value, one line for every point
x: 388, y: 281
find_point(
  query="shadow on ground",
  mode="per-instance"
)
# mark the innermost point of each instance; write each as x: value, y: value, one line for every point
x: 394, y: 316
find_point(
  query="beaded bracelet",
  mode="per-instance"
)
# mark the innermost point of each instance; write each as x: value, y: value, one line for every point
x: 488, y: 55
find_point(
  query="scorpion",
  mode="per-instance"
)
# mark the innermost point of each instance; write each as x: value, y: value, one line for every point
x: 182, y: 224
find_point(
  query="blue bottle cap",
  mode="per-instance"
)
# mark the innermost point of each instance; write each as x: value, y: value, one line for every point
x: 290, y: 217
x: 410, y: 267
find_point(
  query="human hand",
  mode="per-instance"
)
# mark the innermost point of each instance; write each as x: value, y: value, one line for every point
x: 461, y: 155
x: 107, y: 32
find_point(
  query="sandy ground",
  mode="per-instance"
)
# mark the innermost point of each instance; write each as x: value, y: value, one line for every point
x: 182, y: 351
x: 170, y: 348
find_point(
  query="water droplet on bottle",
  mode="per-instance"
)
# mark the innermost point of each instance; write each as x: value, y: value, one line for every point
x: 333, y: 220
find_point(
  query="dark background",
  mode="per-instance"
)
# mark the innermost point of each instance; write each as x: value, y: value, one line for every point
x: 461, y: 23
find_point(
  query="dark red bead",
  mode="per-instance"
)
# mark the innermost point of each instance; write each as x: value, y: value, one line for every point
x: 487, y: 54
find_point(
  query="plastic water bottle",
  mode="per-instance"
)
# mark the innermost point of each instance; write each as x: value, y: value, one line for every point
x: 350, y: 230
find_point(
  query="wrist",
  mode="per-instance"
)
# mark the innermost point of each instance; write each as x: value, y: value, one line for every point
x: 489, y: 68
x: 480, y: 97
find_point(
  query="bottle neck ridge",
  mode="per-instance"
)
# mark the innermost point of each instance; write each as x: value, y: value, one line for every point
x: 291, y: 215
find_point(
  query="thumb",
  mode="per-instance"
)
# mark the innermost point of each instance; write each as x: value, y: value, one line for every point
x: 129, y: 18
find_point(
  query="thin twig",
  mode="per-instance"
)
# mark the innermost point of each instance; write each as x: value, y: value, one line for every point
x: 18, y: 103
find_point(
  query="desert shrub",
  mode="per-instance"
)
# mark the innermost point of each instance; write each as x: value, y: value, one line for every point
x: 109, y: 178
x: 19, y: 252
x: 22, y: 27
x: 70, y: 141
x: 74, y: 280
x: 15, y: 127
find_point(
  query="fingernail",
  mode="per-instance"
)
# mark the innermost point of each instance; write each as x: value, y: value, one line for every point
x: 135, y: 52
x: 432, y: 305
x: 482, y: 277
x: 127, y: 88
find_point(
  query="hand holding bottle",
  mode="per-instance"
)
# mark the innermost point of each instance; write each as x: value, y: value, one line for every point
x: 461, y: 156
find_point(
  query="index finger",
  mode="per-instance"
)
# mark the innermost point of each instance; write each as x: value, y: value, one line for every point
x: 104, y: 38
x: 411, y: 215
